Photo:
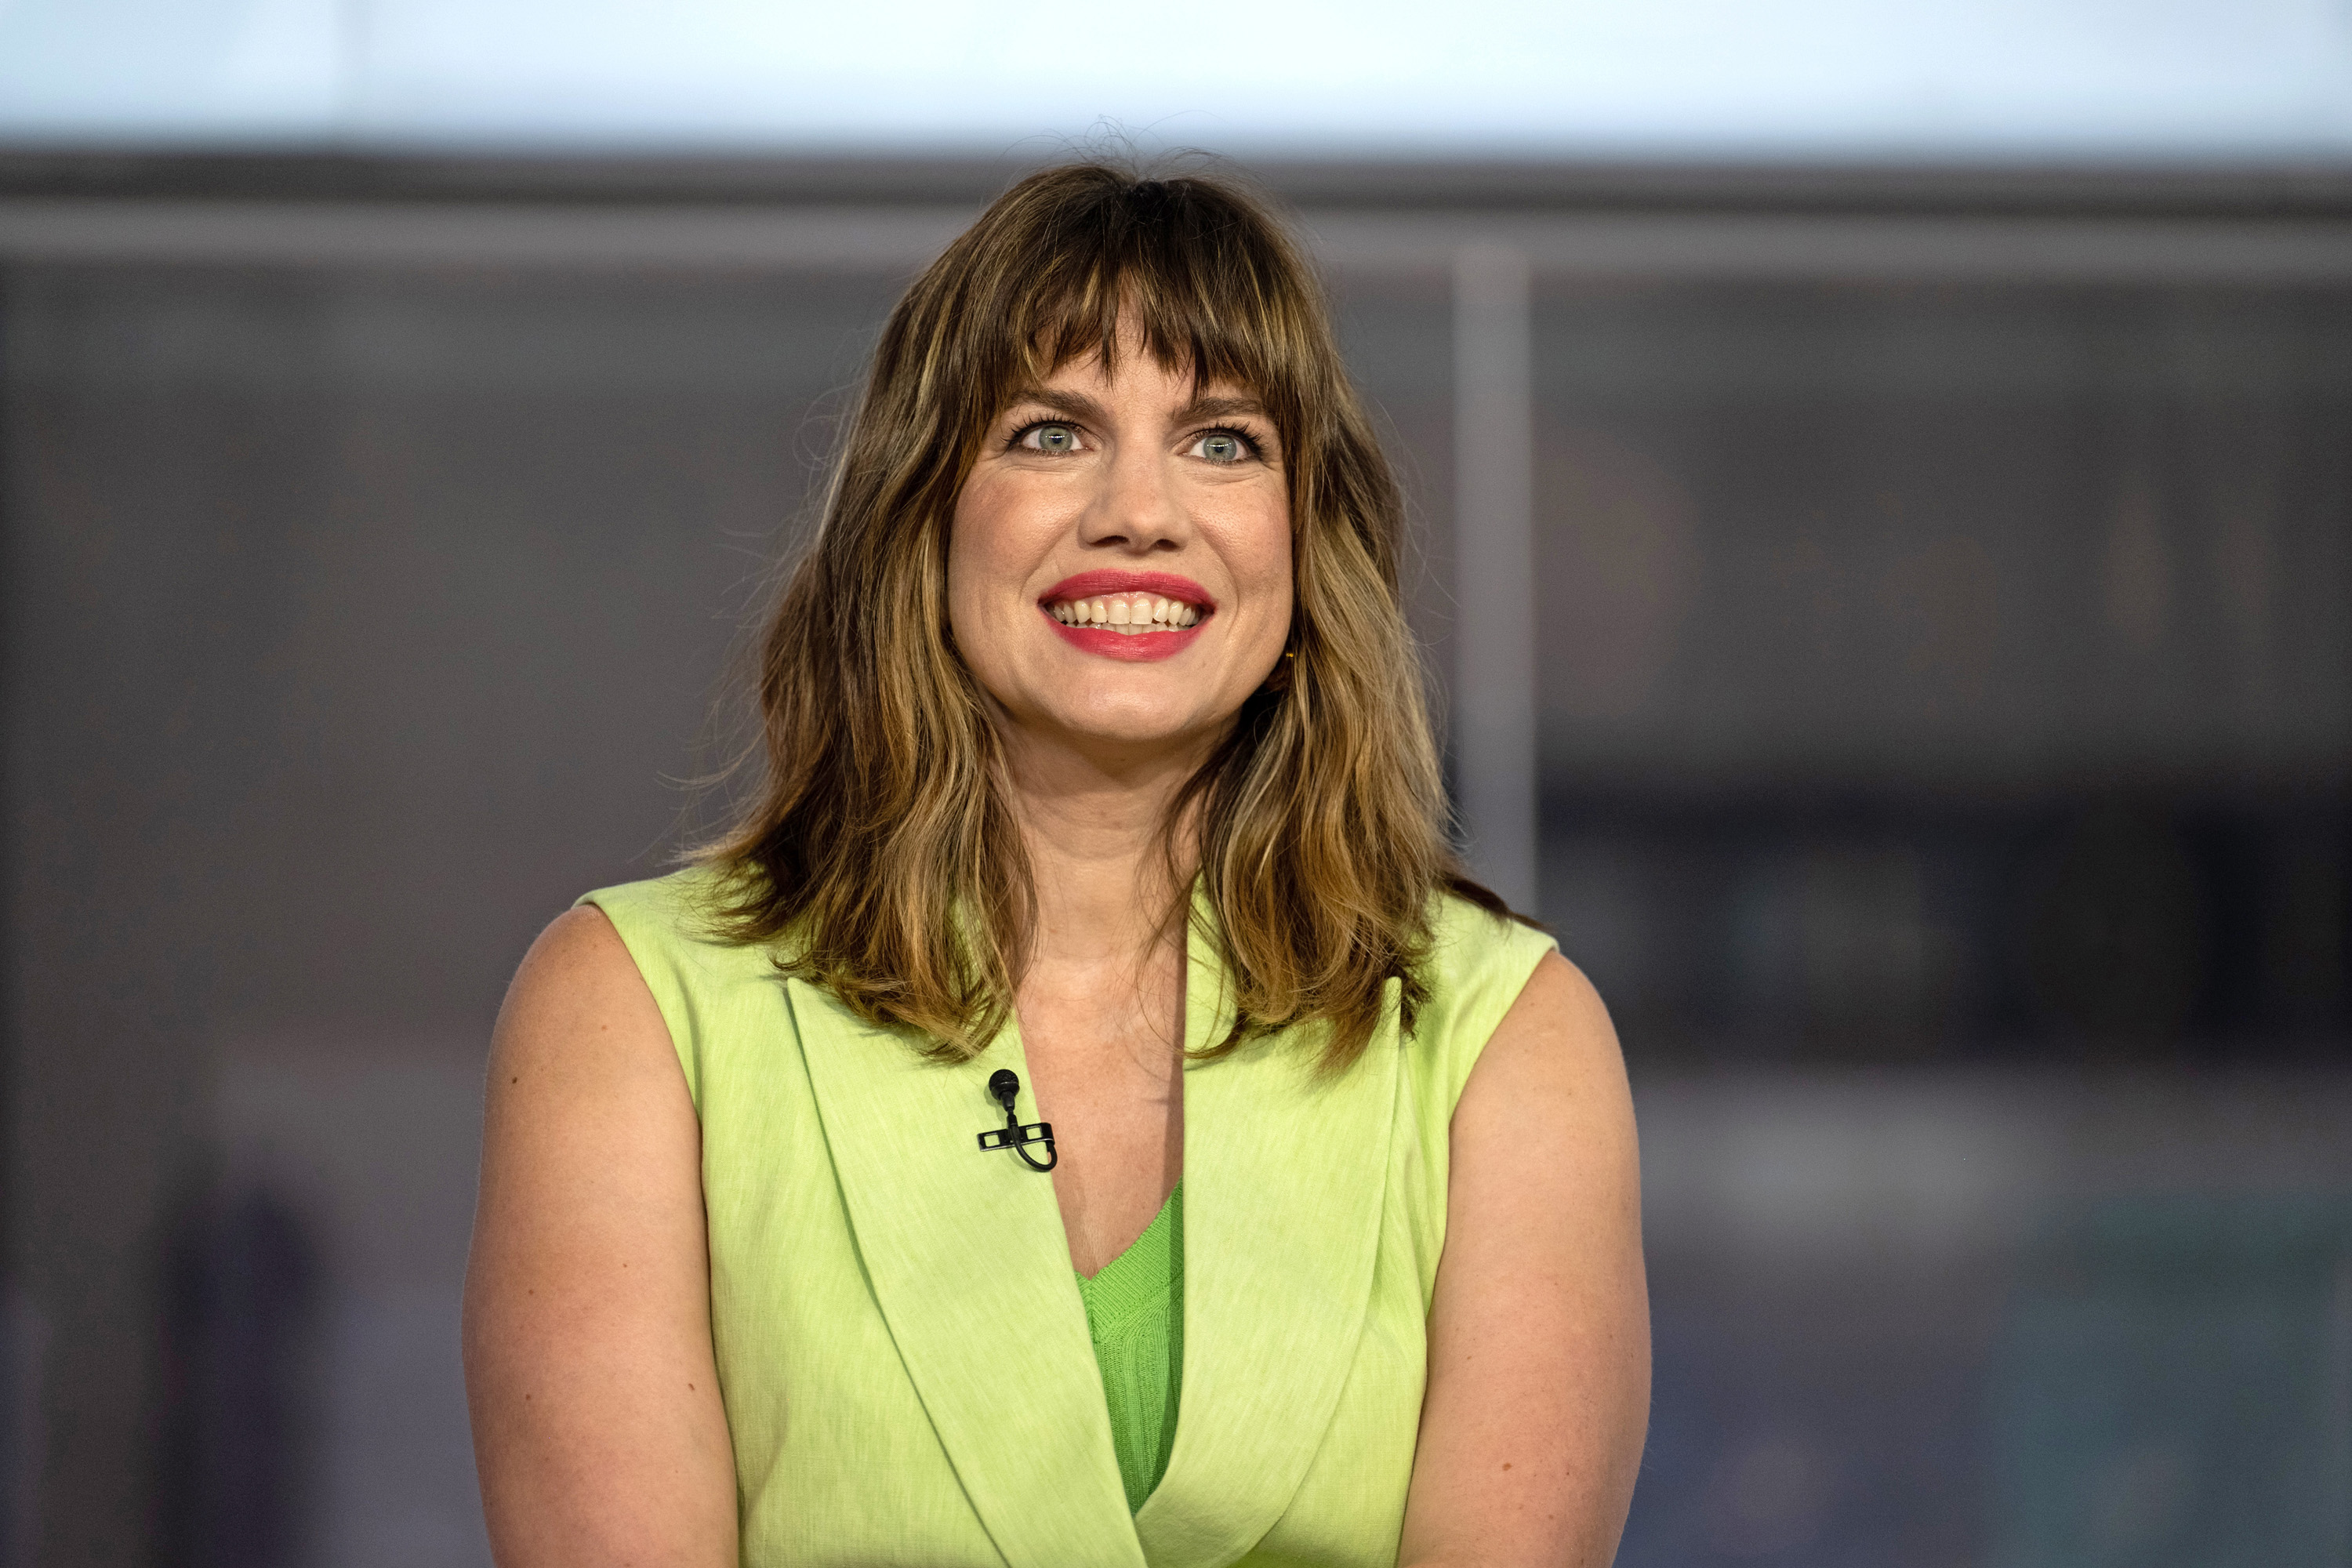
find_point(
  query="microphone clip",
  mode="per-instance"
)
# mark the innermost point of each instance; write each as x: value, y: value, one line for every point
x: 1004, y: 1087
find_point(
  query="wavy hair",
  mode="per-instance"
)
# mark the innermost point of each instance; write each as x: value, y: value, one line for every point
x: 879, y: 856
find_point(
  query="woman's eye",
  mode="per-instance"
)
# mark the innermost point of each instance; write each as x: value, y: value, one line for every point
x: 1222, y: 447
x: 1055, y: 438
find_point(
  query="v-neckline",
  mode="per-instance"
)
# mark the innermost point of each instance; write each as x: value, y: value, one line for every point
x: 1115, y: 1270
x: 957, y: 1244
x: 1188, y: 1040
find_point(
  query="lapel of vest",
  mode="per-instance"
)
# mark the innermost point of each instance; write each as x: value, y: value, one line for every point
x: 1284, y: 1177
x: 966, y: 1257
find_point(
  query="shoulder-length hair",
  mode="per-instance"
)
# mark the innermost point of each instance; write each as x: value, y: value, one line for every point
x: 879, y: 856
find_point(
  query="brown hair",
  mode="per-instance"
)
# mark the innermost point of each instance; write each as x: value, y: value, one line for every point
x: 879, y: 856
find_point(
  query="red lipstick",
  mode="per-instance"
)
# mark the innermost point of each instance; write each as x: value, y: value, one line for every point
x: 1133, y: 648
x: 1093, y: 584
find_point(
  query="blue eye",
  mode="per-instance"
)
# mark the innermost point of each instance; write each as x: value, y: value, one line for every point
x: 1224, y: 446
x: 1054, y: 438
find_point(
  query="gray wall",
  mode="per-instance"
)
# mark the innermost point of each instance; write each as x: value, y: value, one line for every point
x: 356, y: 625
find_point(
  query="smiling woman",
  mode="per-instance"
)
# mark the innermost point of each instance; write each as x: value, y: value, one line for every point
x: 1097, y: 769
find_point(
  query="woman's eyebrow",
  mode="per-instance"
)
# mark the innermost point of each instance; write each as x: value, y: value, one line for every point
x: 1218, y: 408
x: 1076, y: 405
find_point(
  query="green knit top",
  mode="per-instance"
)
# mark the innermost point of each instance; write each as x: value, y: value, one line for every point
x: 1135, y: 1315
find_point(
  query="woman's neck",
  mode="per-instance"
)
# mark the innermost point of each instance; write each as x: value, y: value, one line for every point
x: 1095, y: 855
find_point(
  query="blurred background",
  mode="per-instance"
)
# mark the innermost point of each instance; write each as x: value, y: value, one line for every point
x: 1884, y: 482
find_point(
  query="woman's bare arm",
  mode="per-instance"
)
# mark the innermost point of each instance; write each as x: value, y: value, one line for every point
x: 597, y: 1424
x: 1539, y: 1333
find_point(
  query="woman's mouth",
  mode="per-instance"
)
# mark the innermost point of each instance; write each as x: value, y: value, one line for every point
x: 1128, y: 615
x: 1132, y: 614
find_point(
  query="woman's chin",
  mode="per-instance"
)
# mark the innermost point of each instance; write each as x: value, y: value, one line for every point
x: 1128, y: 727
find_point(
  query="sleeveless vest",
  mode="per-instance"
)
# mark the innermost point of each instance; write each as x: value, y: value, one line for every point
x: 901, y: 1344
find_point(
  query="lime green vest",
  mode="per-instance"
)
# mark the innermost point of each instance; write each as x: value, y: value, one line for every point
x: 901, y: 1344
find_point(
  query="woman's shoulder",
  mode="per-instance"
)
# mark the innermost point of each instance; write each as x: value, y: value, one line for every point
x: 704, y: 980
x: 683, y: 916
x: 677, y: 928
x: 1475, y: 953
x: 1478, y: 963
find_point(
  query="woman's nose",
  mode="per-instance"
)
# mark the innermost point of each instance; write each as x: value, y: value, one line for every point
x: 1137, y: 505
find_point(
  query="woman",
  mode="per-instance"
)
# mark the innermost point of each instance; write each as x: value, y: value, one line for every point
x: 1096, y: 757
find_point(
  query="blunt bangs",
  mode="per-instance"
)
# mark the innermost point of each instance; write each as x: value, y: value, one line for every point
x: 1190, y: 275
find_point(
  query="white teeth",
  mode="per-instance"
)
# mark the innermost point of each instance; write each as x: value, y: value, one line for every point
x: 1130, y: 614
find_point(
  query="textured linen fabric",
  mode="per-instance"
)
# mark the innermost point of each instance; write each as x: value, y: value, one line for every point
x: 902, y: 1345
x: 1135, y: 1316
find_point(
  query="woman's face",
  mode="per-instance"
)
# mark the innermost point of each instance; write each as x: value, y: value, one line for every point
x: 1118, y: 569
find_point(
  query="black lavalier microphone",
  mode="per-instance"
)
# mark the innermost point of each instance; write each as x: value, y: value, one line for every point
x: 1004, y: 1086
